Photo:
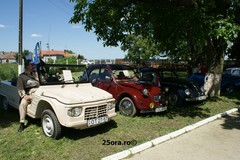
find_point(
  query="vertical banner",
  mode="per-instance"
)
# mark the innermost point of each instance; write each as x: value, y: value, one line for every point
x: 36, y: 56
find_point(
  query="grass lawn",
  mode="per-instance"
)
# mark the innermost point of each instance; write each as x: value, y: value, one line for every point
x: 92, y: 144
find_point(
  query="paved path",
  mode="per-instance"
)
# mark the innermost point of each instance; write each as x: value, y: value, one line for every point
x: 217, y: 140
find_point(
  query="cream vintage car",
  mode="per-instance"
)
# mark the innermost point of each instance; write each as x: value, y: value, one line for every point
x: 64, y: 98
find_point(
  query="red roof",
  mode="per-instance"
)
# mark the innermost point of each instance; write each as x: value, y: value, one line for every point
x: 7, y: 55
x: 55, y: 52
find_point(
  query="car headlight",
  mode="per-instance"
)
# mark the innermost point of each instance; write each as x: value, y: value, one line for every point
x: 166, y: 89
x: 202, y: 89
x: 145, y: 92
x: 74, y: 112
x: 110, y: 105
x: 187, y: 92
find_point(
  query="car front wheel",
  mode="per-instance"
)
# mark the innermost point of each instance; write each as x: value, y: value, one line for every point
x: 50, y: 125
x: 174, y: 99
x: 229, y: 88
x: 127, y: 107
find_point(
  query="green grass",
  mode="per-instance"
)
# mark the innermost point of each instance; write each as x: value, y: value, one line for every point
x: 88, y: 144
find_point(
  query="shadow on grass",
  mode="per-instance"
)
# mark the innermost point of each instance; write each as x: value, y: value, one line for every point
x: 7, y: 118
x: 232, y: 121
x: 213, y: 99
x: 76, y: 134
x: 192, y: 109
x: 234, y: 95
x: 189, y: 110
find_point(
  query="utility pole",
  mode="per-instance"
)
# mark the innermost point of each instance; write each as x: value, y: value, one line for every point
x: 20, y: 37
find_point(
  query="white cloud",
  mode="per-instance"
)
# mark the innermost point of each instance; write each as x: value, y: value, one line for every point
x: 2, y: 26
x: 36, y: 35
x: 76, y: 27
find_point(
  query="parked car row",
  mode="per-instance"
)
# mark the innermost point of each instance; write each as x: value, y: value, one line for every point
x: 154, y: 90
x: 66, y: 98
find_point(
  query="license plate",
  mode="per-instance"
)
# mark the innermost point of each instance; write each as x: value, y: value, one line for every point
x: 201, y: 98
x: 161, y: 109
x: 98, y: 120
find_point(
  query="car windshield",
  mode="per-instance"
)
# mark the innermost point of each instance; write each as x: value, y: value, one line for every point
x: 61, y: 74
x: 123, y: 73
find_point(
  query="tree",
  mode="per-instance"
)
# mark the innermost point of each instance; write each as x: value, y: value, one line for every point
x: 68, y: 60
x: 202, y: 27
x: 25, y: 53
x: 80, y: 57
x: 69, y: 51
x: 140, y: 49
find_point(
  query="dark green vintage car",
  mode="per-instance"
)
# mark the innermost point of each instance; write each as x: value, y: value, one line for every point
x: 180, y: 90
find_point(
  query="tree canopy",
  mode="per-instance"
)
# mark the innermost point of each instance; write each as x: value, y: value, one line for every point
x: 140, y: 50
x: 167, y: 21
x: 189, y: 27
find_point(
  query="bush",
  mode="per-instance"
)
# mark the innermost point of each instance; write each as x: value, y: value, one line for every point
x: 8, y: 71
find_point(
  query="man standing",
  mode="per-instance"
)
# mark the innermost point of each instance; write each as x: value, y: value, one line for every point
x: 26, y: 86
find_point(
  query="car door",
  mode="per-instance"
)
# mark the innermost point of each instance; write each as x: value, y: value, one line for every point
x: 107, y: 82
x: 94, y: 76
x: 102, y: 78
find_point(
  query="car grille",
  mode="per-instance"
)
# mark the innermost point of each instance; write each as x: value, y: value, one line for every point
x: 157, y: 98
x: 94, y: 112
x: 196, y: 91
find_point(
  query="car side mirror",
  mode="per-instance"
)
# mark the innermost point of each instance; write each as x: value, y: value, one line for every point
x: 94, y: 81
x: 108, y: 78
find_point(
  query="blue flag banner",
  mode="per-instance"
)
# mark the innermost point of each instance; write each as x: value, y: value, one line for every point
x: 36, y: 56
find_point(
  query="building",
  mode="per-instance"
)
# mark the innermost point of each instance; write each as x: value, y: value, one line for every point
x: 54, y: 55
x: 7, y: 57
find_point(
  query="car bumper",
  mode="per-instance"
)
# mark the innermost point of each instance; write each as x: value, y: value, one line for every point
x: 200, y: 98
x: 84, y: 123
x: 155, y: 109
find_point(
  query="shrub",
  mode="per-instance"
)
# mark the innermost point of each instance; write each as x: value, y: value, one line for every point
x: 8, y: 71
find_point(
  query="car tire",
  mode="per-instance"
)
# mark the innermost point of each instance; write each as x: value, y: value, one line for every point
x: 229, y: 88
x: 50, y: 125
x: 174, y: 99
x: 4, y: 103
x: 127, y: 107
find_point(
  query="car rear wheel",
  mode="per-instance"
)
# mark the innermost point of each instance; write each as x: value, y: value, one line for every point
x: 4, y: 103
x: 50, y: 125
x: 127, y: 107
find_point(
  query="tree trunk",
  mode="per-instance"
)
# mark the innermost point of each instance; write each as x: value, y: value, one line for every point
x: 213, y: 77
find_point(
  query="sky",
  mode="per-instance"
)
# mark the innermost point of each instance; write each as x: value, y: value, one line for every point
x: 48, y: 21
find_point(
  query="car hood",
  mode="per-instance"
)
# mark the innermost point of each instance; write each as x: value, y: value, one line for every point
x: 73, y: 94
x: 140, y: 85
x: 178, y: 82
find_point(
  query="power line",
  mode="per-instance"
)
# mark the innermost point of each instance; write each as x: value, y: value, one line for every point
x: 59, y: 7
x: 67, y: 4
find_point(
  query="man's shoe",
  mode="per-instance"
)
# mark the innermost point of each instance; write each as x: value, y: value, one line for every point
x: 21, y: 127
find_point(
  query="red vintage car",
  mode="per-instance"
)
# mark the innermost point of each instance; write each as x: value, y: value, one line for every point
x: 131, y: 94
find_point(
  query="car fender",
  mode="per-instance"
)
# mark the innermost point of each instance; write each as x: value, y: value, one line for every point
x: 39, y: 104
x: 132, y: 94
x: 137, y: 98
